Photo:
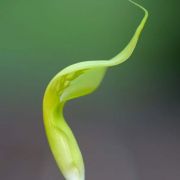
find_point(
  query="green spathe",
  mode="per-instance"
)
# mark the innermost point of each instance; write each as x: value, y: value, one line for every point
x: 74, y: 81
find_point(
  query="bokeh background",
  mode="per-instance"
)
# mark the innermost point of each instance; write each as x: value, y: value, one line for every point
x: 129, y: 128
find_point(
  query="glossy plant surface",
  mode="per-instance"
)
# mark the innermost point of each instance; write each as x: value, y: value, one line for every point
x: 74, y: 81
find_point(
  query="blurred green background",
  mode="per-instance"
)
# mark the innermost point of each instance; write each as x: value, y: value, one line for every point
x: 129, y: 128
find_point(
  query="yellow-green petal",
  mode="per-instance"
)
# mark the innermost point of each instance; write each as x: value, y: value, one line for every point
x: 74, y: 81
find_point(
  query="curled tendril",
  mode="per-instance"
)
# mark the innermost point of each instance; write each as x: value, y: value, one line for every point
x: 74, y: 81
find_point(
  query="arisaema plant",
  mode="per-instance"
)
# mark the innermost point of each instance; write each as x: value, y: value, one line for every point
x: 74, y: 81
